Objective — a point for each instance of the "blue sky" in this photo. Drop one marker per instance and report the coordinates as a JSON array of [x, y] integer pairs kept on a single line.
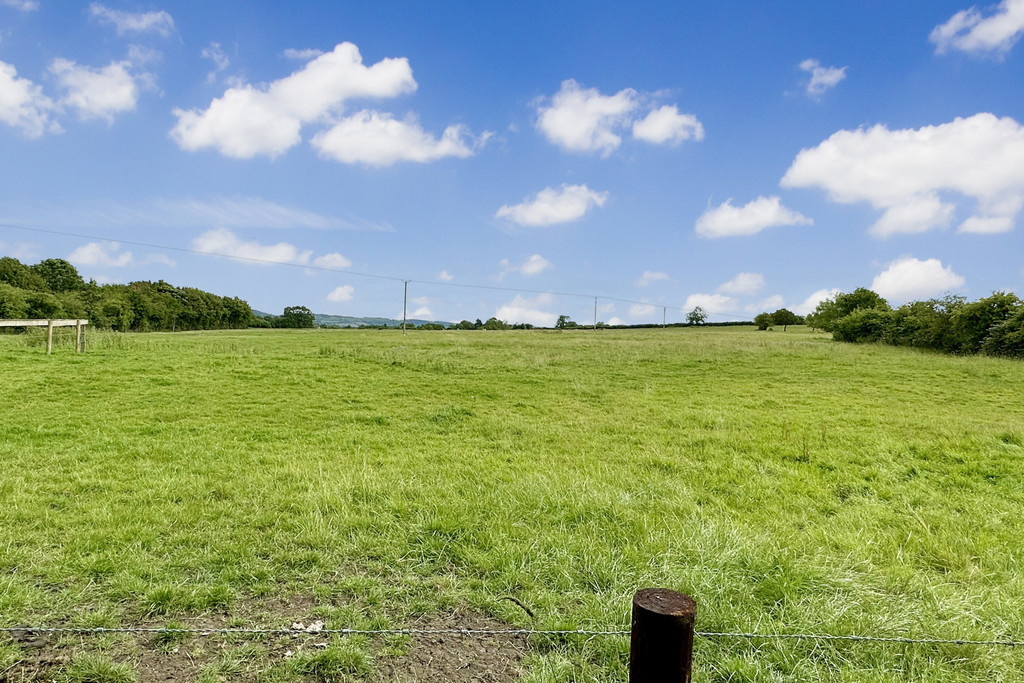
[[740, 156]]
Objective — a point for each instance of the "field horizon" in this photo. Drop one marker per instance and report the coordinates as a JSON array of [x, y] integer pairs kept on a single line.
[[374, 479]]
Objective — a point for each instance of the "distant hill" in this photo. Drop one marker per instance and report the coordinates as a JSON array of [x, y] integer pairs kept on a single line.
[[326, 320]]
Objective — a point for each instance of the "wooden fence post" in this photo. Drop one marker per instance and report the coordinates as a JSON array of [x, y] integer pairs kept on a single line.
[[49, 337], [661, 638]]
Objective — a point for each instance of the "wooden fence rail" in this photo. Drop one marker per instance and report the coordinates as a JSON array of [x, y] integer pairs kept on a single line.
[[77, 323]]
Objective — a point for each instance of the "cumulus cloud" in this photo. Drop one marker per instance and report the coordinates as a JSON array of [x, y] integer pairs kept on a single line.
[[333, 260], [666, 125], [822, 77], [551, 206], [220, 60], [581, 119], [379, 139], [248, 121], [223, 242], [22, 5], [642, 310], [535, 265], [743, 283], [810, 303], [23, 104], [529, 311], [772, 303], [96, 93], [445, 276], [100, 254], [764, 212], [651, 276], [134, 22], [711, 303], [341, 294], [423, 312], [909, 278], [970, 31], [905, 173]]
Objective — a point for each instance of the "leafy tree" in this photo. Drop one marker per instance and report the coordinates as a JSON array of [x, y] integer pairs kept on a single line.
[[763, 321], [829, 311], [785, 317], [564, 323], [12, 302], [864, 325], [59, 275], [296, 317], [1007, 337], [698, 316], [464, 325], [495, 324], [972, 322], [17, 274]]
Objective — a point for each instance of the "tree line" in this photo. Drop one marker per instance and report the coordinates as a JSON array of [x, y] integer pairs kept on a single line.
[[993, 325], [53, 288]]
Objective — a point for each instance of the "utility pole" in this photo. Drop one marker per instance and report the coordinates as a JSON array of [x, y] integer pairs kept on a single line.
[[405, 304], [663, 309], [595, 312]]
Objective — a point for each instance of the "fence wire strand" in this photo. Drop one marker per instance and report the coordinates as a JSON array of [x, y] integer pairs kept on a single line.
[[495, 632]]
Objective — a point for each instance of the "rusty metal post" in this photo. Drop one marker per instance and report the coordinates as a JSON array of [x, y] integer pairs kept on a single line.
[[661, 638]]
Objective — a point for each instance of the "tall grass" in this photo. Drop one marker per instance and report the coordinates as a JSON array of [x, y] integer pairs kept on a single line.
[[788, 483]]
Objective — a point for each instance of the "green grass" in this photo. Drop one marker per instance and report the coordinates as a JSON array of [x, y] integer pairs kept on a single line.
[[787, 482]]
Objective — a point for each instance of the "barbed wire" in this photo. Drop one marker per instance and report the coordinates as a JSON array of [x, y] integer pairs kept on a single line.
[[495, 632]]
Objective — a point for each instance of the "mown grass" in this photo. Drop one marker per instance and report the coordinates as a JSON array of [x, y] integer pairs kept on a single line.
[[788, 483]]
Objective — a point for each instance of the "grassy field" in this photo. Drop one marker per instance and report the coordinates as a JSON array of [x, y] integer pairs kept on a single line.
[[374, 479]]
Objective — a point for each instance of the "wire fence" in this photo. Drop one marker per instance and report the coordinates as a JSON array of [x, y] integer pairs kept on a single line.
[[495, 632]]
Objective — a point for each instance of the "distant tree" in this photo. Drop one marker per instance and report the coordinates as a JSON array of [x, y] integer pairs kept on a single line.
[[698, 316], [296, 317], [786, 317], [564, 323], [763, 321], [431, 326], [464, 325], [971, 322], [59, 275], [495, 324], [1007, 337], [478, 324]]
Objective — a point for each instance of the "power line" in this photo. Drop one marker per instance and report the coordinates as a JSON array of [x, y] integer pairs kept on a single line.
[[290, 264]]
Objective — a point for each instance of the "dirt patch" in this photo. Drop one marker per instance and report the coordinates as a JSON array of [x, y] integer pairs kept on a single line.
[[452, 657], [456, 657]]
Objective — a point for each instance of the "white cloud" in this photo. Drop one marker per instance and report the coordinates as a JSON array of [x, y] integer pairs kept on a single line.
[[584, 120], [333, 260], [811, 302], [134, 22], [904, 172], [248, 121], [23, 104], [822, 77], [529, 311], [303, 55], [772, 303], [642, 310], [743, 283], [423, 312], [23, 5], [614, 321], [96, 93], [764, 212], [223, 242], [341, 294], [651, 276], [711, 303], [445, 276], [551, 206], [909, 278], [159, 258], [535, 265], [378, 139], [969, 31], [100, 254], [220, 60], [667, 125]]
